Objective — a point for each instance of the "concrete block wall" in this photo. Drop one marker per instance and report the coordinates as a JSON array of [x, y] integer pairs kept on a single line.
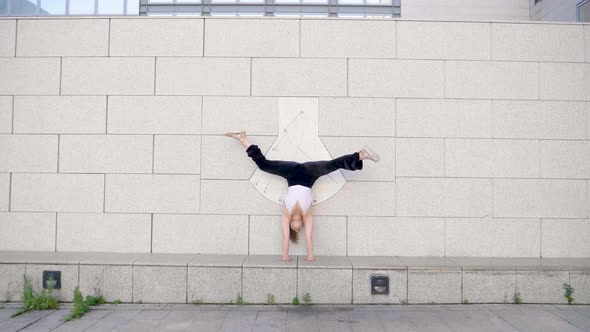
[[111, 134]]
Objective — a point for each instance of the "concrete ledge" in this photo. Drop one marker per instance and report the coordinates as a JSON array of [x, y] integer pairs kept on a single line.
[[212, 278]]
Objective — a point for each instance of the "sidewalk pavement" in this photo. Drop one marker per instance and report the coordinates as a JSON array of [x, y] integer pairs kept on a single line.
[[303, 318]]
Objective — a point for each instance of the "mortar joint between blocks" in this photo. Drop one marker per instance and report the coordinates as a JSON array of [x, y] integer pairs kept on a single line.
[[155, 70], [12, 119], [9, 191], [109, 40], [16, 37], [55, 245]]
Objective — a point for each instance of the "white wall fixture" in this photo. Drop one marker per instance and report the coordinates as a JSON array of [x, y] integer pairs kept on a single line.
[[298, 141]]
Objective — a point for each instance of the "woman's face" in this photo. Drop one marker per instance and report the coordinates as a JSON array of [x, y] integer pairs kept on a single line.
[[296, 223]]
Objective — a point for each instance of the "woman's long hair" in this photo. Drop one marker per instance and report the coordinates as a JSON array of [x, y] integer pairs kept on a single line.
[[294, 236]]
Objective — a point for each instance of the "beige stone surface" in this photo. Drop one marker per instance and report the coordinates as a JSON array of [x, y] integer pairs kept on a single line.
[[489, 286], [11, 281], [434, 286], [395, 236], [7, 37], [538, 119], [257, 283], [491, 80], [565, 237], [106, 153], [443, 118], [298, 77], [202, 76], [157, 284], [152, 193], [325, 285], [30, 76], [443, 40], [348, 39], [545, 198], [111, 281], [107, 76], [564, 81], [214, 284], [257, 115], [72, 37], [565, 159], [177, 154], [343, 116], [446, 197], [244, 197], [395, 78], [167, 37], [37, 228], [361, 198], [6, 114], [493, 237], [28, 153], [4, 191], [103, 232], [251, 37], [419, 157], [537, 42], [60, 114], [154, 115], [54, 192], [506, 158], [200, 233], [541, 286], [581, 284]]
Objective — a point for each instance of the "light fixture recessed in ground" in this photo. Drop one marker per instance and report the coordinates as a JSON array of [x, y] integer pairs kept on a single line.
[[56, 275], [379, 284]]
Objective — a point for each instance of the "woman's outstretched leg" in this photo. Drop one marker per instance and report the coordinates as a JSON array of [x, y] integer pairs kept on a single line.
[[277, 167], [351, 162]]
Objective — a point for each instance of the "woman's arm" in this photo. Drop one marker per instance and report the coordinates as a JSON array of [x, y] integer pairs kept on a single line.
[[308, 222], [285, 221]]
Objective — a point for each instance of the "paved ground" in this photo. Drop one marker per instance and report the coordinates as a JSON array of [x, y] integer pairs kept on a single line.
[[188, 317]]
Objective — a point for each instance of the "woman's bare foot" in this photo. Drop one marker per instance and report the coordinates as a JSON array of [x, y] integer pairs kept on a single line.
[[368, 153], [240, 134]]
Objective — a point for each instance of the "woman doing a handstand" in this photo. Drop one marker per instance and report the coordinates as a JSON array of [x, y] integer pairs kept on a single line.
[[300, 178]]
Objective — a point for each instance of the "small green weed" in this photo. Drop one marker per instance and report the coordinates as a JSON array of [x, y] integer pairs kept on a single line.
[[42, 301], [516, 298], [465, 301], [270, 299], [95, 300], [117, 301], [295, 300], [568, 293], [306, 298], [81, 305], [198, 301], [240, 299]]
